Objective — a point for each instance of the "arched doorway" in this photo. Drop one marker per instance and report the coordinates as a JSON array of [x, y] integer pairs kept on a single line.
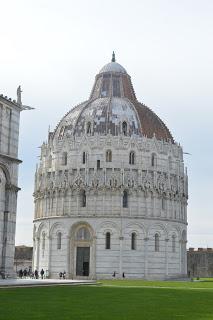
[[82, 251]]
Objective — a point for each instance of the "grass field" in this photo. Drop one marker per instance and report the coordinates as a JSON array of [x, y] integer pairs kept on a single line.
[[120, 300]]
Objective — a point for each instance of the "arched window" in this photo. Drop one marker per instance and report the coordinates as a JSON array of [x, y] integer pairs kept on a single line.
[[163, 203], [84, 157], [83, 234], [116, 87], [61, 133], [43, 241], [98, 164], [108, 156], [53, 200], [157, 242], [83, 199], [48, 201], [133, 241], [124, 128], [59, 240], [132, 157], [125, 199], [173, 243], [182, 211], [89, 128], [153, 160], [184, 235], [108, 240], [170, 163], [50, 160], [64, 158], [105, 86]]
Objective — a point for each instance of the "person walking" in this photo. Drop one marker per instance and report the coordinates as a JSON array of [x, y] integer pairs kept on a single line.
[[36, 274], [20, 273], [25, 273], [42, 273]]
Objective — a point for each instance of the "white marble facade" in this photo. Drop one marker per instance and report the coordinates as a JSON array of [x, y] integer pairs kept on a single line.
[[9, 134], [111, 190]]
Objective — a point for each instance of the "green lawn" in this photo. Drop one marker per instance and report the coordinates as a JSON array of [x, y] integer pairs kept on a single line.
[[120, 300], [204, 283]]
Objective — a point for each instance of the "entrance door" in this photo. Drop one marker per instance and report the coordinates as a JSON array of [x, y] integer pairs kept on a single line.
[[82, 261]]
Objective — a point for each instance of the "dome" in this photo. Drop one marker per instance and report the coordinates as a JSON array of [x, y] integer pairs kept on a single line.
[[111, 107], [105, 116], [113, 67]]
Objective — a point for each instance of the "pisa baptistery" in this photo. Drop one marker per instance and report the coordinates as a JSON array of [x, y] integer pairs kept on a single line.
[[111, 190]]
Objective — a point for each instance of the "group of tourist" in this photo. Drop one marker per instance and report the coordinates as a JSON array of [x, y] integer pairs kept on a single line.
[[24, 273], [30, 274], [62, 275], [36, 274]]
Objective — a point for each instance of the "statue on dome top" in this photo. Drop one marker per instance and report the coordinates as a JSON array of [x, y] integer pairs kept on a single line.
[[113, 57]]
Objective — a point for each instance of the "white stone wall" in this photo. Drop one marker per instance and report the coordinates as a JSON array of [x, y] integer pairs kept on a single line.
[[143, 262], [9, 133], [9, 128], [157, 201]]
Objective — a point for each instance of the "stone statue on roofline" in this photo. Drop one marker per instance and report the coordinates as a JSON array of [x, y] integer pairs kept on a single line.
[[19, 95]]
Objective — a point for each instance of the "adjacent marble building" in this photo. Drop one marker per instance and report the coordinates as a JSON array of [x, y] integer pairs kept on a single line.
[[111, 189], [9, 134], [200, 262]]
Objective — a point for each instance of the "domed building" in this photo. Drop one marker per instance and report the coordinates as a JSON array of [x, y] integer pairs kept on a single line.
[[110, 189]]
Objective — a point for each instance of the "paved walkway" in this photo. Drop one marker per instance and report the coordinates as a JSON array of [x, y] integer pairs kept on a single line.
[[39, 282]]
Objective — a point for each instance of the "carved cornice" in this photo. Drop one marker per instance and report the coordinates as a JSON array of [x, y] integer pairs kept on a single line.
[[10, 158], [12, 187], [165, 185]]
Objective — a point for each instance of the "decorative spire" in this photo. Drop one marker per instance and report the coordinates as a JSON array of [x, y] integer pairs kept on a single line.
[[113, 56]]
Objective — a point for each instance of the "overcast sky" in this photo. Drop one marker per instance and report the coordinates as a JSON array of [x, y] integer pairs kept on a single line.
[[54, 49]]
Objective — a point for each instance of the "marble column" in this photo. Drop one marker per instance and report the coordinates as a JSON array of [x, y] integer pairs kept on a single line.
[[68, 271], [146, 263], [166, 258], [121, 257]]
